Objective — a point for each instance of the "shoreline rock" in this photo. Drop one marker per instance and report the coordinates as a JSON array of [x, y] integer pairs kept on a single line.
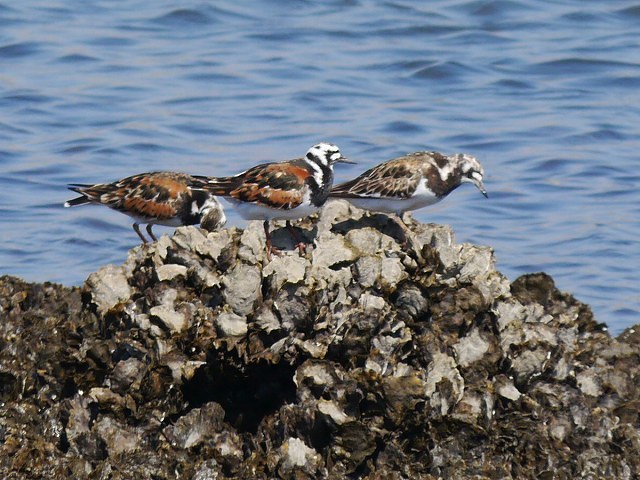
[[199, 359]]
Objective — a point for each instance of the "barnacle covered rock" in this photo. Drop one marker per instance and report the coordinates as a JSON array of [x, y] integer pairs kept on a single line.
[[200, 359]]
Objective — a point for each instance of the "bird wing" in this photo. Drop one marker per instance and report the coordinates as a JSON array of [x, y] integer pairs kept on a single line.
[[397, 178], [146, 195], [275, 185]]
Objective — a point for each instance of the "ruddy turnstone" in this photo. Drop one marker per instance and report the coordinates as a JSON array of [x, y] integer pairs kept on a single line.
[[411, 182], [283, 190], [157, 198]]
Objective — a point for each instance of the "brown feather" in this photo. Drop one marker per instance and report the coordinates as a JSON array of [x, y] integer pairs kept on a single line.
[[395, 178], [148, 208], [175, 184], [154, 195], [275, 185]]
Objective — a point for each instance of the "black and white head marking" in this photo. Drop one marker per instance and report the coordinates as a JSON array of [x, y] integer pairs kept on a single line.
[[317, 158], [471, 171], [321, 158], [323, 155]]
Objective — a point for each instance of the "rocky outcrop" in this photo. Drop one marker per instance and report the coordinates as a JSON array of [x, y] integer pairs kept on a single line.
[[199, 359]]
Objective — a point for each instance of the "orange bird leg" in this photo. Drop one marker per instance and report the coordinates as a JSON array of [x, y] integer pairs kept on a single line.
[[300, 245], [270, 248]]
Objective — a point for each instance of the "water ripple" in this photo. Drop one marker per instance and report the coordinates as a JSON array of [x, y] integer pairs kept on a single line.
[[497, 9], [572, 65], [442, 71], [630, 11], [18, 50], [76, 58], [184, 17]]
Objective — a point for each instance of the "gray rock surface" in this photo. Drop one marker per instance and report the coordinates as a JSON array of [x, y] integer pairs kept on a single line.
[[109, 286], [199, 359], [231, 325], [242, 288], [169, 272], [170, 319]]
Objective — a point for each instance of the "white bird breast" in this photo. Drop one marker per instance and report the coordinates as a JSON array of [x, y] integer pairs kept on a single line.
[[422, 197], [253, 211]]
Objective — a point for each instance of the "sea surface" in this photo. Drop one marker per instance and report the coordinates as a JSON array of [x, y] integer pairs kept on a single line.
[[545, 93]]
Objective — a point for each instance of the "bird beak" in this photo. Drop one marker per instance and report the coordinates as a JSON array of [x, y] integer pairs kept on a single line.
[[480, 185], [476, 179], [344, 160]]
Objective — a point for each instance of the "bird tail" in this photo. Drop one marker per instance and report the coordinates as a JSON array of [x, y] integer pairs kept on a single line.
[[217, 186], [78, 188]]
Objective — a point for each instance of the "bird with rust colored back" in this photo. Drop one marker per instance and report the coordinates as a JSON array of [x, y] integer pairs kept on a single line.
[[156, 198], [281, 190]]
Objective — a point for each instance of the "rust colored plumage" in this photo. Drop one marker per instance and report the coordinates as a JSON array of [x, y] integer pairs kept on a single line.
[[153, 195], [165, 198], [274, 185], [148, 208], [281, 190]]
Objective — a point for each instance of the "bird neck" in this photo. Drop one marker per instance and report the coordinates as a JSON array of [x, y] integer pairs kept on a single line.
[[442, 180], [322, 172], [320, 182]]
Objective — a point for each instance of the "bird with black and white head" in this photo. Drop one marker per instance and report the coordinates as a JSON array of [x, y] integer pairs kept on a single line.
[[281, 190]]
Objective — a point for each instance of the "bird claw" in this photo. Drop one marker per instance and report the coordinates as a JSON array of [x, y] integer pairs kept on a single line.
[[302, 248], [273, 250]]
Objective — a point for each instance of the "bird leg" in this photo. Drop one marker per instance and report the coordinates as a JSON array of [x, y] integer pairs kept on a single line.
[[270, 248], [404, 238], [406, 242], [136, 227], [149, 225], [299, 244]]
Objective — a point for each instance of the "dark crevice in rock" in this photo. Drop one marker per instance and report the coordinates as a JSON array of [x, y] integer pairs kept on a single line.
[[379, 221], [8, 387], [247, 393], [340, 265]]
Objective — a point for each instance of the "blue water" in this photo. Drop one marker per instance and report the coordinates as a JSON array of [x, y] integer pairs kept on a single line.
[[545, 94]]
